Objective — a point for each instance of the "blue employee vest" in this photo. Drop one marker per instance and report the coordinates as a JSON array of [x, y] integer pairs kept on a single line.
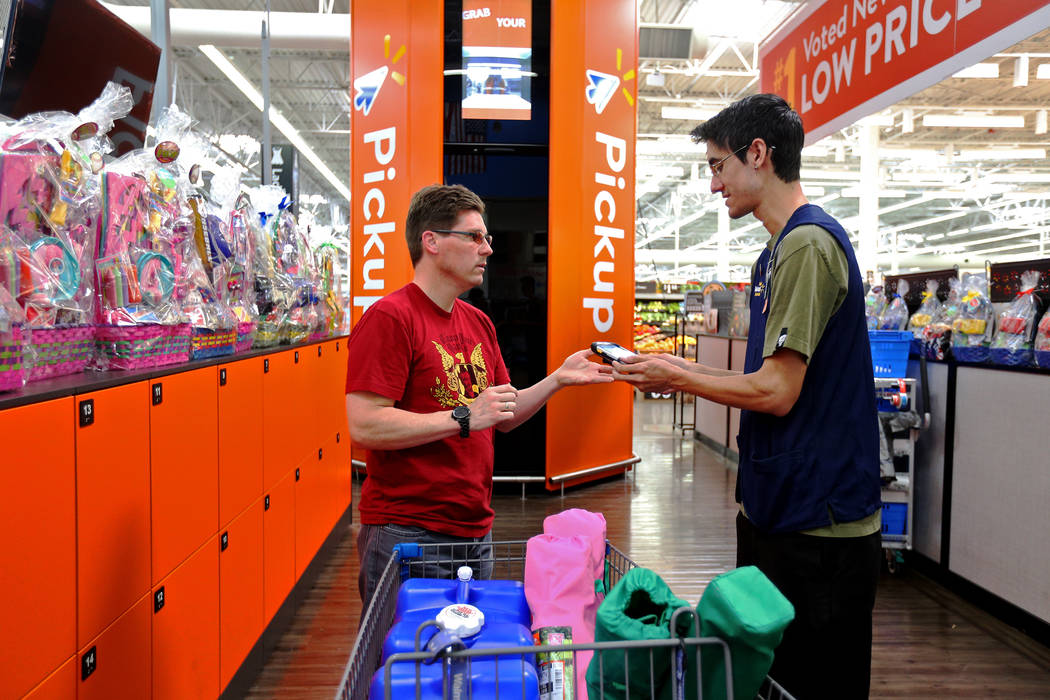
[[823, 456]]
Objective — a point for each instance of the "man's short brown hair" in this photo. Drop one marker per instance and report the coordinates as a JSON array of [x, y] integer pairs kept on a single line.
[[436, 206]]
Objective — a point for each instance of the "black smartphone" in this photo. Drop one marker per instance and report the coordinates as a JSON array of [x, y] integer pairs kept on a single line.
[[610, 351]]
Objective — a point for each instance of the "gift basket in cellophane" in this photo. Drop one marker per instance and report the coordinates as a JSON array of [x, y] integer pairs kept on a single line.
[[294, 259], [49, 210], [12, 348], [143, 243], [972, 325], [925, 316], [1042, 342], [273, 289], [1012, 342], [325, 257], [234, 277], [937, 335], [894, 316]]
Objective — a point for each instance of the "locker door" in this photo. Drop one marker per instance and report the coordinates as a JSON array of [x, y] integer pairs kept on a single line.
[[309, 518], [186, 628], [278, 544], [38, 539], [240, 590], [113, 516], [240, 437], [335, 378], [60, 685], [184, 456], [116, 663], [281, 435], [340, 474]]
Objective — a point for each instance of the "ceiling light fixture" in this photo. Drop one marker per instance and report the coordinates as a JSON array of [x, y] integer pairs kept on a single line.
[[1021, 70], [976, 121], [979, 70], [655, 79], [1040, 122], [276, 118], [1003, 154], [907, 121], [689, 113], [1042, 71]]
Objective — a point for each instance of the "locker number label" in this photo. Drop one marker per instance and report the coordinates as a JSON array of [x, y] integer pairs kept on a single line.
[[266, 366], [87, 412], [88, 663], [222, 377], [158, 394], [224, 541], [158, 600], [266, 502], [297, 473]]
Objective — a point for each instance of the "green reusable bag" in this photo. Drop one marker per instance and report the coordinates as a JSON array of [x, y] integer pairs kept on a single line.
[[744, 608], [639, 607]]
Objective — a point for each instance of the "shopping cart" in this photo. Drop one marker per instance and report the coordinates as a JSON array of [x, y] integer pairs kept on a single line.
[[508, 562]]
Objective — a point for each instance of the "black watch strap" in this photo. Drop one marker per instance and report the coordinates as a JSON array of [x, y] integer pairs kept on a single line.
[[461, 414]]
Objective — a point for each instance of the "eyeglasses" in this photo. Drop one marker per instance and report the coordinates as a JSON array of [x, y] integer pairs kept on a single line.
[[477, 236], [716, 168]]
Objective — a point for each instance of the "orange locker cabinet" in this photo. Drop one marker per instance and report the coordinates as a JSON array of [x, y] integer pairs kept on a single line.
[[240, 437], [186, 628], [278, 544], [116, 663], [333, 388], [184, 460], [38, 541], [341, 477], [309, 510], [284, 444], [113, 505], [240, 589], [60, 685]]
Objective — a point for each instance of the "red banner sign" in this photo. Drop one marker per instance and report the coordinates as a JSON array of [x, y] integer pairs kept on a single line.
[[840, 60]]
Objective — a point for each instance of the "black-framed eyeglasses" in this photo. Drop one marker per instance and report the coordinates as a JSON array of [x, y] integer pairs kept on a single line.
[[477, 236], [716, 167]]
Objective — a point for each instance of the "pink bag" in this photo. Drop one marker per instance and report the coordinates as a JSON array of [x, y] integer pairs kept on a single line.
[[590, 526], [559, 587]]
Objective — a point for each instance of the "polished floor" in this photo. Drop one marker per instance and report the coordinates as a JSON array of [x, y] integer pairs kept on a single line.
[[674, 514]]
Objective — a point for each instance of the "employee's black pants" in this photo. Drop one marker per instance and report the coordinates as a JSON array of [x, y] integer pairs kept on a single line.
[[826, 651]]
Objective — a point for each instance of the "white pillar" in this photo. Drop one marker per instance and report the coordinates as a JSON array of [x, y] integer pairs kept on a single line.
[[868, 233]]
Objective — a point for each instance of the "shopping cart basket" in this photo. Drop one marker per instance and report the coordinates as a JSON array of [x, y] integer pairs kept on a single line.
[[508, 562]]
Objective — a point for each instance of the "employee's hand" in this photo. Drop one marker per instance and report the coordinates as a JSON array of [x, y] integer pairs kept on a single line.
[[577, 370], [494, 405], [647, 372]]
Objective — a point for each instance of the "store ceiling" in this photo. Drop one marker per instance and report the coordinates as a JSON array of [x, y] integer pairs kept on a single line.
[[938, 202]]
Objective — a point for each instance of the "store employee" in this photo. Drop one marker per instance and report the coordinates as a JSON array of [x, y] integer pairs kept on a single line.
[[808, 481]]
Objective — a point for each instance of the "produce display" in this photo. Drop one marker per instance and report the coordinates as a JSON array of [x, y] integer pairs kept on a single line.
[[654, 328]]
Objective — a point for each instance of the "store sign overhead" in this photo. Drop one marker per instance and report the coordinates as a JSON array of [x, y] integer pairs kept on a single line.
[[840, 60]]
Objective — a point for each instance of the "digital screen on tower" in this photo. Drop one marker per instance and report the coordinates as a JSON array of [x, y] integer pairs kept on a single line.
[[497, 59]]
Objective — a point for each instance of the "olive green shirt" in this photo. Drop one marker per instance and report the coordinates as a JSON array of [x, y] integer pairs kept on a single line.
[[808, 283]]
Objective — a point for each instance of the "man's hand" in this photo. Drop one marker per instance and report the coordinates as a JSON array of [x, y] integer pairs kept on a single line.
[[578, 370], [492, 406], [647, 372]]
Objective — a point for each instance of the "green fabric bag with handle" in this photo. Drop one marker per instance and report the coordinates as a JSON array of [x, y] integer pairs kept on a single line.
[[744, 608], [639, 607]]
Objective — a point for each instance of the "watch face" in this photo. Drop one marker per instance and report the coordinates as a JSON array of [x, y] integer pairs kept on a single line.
[[460, 412]]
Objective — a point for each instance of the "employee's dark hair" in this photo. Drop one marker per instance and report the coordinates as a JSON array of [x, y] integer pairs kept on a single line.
[[764, 116], [436, 206]]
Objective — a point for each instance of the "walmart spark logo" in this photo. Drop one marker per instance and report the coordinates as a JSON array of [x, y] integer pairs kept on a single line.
[[602, 86], [367, 87]]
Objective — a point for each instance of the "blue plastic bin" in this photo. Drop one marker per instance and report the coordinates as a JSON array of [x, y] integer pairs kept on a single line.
[[889, 352], [894, 518]]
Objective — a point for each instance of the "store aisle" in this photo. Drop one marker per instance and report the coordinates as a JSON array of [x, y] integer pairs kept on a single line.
[[674, 514]]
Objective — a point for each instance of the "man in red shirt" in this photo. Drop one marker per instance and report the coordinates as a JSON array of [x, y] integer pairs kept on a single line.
[[426, 386]]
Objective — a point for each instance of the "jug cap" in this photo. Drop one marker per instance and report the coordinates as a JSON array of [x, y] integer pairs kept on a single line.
[[461, 619], [464, 573]]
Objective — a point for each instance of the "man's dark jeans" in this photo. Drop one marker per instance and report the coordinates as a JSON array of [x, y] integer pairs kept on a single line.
[[375, 543]]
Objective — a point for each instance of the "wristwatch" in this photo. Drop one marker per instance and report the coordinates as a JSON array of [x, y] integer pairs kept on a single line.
[[461, 414]]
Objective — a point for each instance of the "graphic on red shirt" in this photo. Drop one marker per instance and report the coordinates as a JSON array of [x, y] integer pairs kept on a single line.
[[463, 380]]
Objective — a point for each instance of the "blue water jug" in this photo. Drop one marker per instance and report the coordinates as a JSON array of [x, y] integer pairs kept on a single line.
[[422, 599], [402, 638], [517, 680]]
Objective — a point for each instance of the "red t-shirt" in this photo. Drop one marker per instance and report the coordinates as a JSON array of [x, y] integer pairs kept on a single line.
[[409, 350]]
